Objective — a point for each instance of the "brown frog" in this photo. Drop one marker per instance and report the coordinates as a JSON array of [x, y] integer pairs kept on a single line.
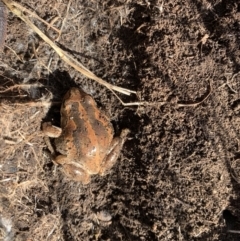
[[85, 140]]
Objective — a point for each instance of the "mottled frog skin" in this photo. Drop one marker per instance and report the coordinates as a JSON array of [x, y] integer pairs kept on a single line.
[[85, 141]]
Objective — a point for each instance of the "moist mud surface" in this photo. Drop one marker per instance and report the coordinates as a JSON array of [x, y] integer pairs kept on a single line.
[[178, 174]]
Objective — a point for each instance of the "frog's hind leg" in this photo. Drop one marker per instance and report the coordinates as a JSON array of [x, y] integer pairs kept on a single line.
[[76, 173], [114, 152]]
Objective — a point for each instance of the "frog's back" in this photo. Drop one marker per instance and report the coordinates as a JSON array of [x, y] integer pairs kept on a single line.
[[87, 132]]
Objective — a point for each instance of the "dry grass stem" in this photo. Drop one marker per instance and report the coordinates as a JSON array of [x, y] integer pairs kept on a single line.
[[64, 55], [64, 21], [21, 86], [14, 52], [199, 102], [179, 104], [31, 13]]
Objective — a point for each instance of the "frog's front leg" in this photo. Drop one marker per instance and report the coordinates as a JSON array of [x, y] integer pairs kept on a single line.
[[113, 153], [50, 131]]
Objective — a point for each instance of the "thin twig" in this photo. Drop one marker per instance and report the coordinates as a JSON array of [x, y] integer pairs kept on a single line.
[[14, 53], [233, 231], [64, 55], [17, 10], [228, 83], [31, 13], [199, 102], [64, 20]]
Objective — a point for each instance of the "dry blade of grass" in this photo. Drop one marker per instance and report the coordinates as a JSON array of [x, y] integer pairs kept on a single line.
[[18, 10], [31, 13], [63, 55]]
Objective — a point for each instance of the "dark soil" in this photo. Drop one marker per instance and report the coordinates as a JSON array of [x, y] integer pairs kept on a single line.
[[179, 170]]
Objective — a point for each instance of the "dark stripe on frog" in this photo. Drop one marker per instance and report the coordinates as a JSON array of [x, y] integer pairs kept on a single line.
[[95, 125], [99, 122], [82, 135]]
